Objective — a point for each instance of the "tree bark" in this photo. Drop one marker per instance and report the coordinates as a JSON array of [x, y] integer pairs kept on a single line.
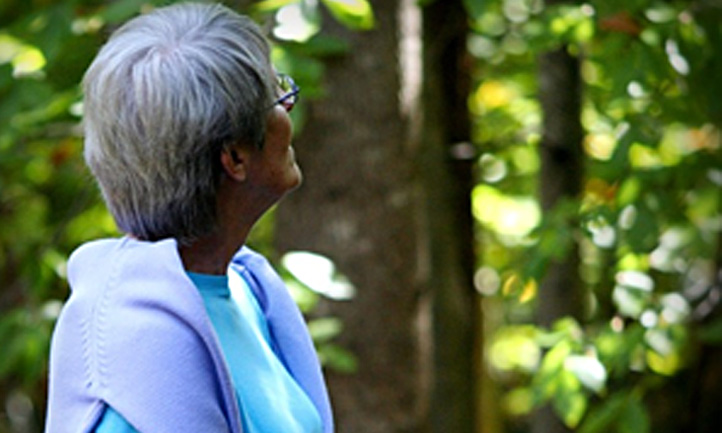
[[448, 159], [385, 201], [560, 291], [561, 173], [359, 206]]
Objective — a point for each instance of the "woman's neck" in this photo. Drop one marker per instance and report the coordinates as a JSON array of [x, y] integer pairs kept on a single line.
[[238, 211], [212, 254]]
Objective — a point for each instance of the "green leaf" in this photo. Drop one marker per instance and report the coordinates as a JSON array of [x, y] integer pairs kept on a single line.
[[323, 46], [271, 5], [602, 418], [122, 10], [570, 403], [643, 235], [712, 333], [324, 329], [554, 359], [629, 191], [550, 378], [588, 370], [475, 8], [297, 22], [634, 417], [355, 14], [519, 401], [337, 358], [622, 412], [54, 107], [305, 298]]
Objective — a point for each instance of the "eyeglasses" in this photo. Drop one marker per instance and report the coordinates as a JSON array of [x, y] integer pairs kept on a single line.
[[290, 92]]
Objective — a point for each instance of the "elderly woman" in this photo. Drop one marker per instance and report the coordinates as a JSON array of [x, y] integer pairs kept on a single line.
[[177, 327]]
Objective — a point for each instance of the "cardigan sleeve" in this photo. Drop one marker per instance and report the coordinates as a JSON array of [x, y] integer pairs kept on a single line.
[[288, 329], [135, 335], [158, 360]]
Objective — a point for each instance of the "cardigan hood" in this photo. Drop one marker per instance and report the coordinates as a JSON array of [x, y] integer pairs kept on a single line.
[[134, 334]]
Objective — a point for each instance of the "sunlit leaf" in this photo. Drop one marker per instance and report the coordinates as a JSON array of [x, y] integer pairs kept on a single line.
[[296, 22], [629, 191], [356, 14], [319, 274], [571, 406], [529, 291], [675, 308], [551, 376], [568, 327], [590, 372], [272, 5], [493, 94], [630, 301], [519, 401], [600, 146], [512, 216], [337, 358], [305, 298], [515, 347], [642, 156], [324, 329], [665, 354], [27, 62], [9, 48], [95, 221], [584, 31]]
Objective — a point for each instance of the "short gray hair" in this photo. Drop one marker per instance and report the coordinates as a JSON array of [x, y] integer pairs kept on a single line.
[[162, 98]]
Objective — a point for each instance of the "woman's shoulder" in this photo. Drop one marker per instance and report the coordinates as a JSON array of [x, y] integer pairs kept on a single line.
[[138, 323], [127, 292], [247, 257]]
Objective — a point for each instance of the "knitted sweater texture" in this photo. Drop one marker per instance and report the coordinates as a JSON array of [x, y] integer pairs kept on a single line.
[[134, 334]]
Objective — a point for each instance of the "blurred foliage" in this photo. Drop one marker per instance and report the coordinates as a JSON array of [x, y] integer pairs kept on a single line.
[[49, 203], [310, 277], [648, 223]]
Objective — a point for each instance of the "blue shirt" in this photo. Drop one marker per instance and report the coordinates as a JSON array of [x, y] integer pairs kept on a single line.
[[269, 398]]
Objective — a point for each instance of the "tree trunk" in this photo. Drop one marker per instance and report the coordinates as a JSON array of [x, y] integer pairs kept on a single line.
[[382, 199], [560, 291], [359, 206], [561, 173], [448, 158]]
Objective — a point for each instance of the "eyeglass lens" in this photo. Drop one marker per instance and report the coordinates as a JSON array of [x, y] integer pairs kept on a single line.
[[290, 89]]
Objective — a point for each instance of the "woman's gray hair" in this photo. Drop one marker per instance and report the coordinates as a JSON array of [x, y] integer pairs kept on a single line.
[[163, 97]]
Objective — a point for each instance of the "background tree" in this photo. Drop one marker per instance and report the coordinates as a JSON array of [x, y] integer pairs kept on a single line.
[[560, 182], [389, 166], [359, 194], [446, 172], [639, 231], [382, 199]]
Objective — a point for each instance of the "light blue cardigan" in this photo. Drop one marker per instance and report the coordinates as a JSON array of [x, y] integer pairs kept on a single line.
[[135, 335]]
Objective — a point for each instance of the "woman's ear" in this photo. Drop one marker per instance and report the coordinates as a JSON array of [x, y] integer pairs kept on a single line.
[[234, 160]]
